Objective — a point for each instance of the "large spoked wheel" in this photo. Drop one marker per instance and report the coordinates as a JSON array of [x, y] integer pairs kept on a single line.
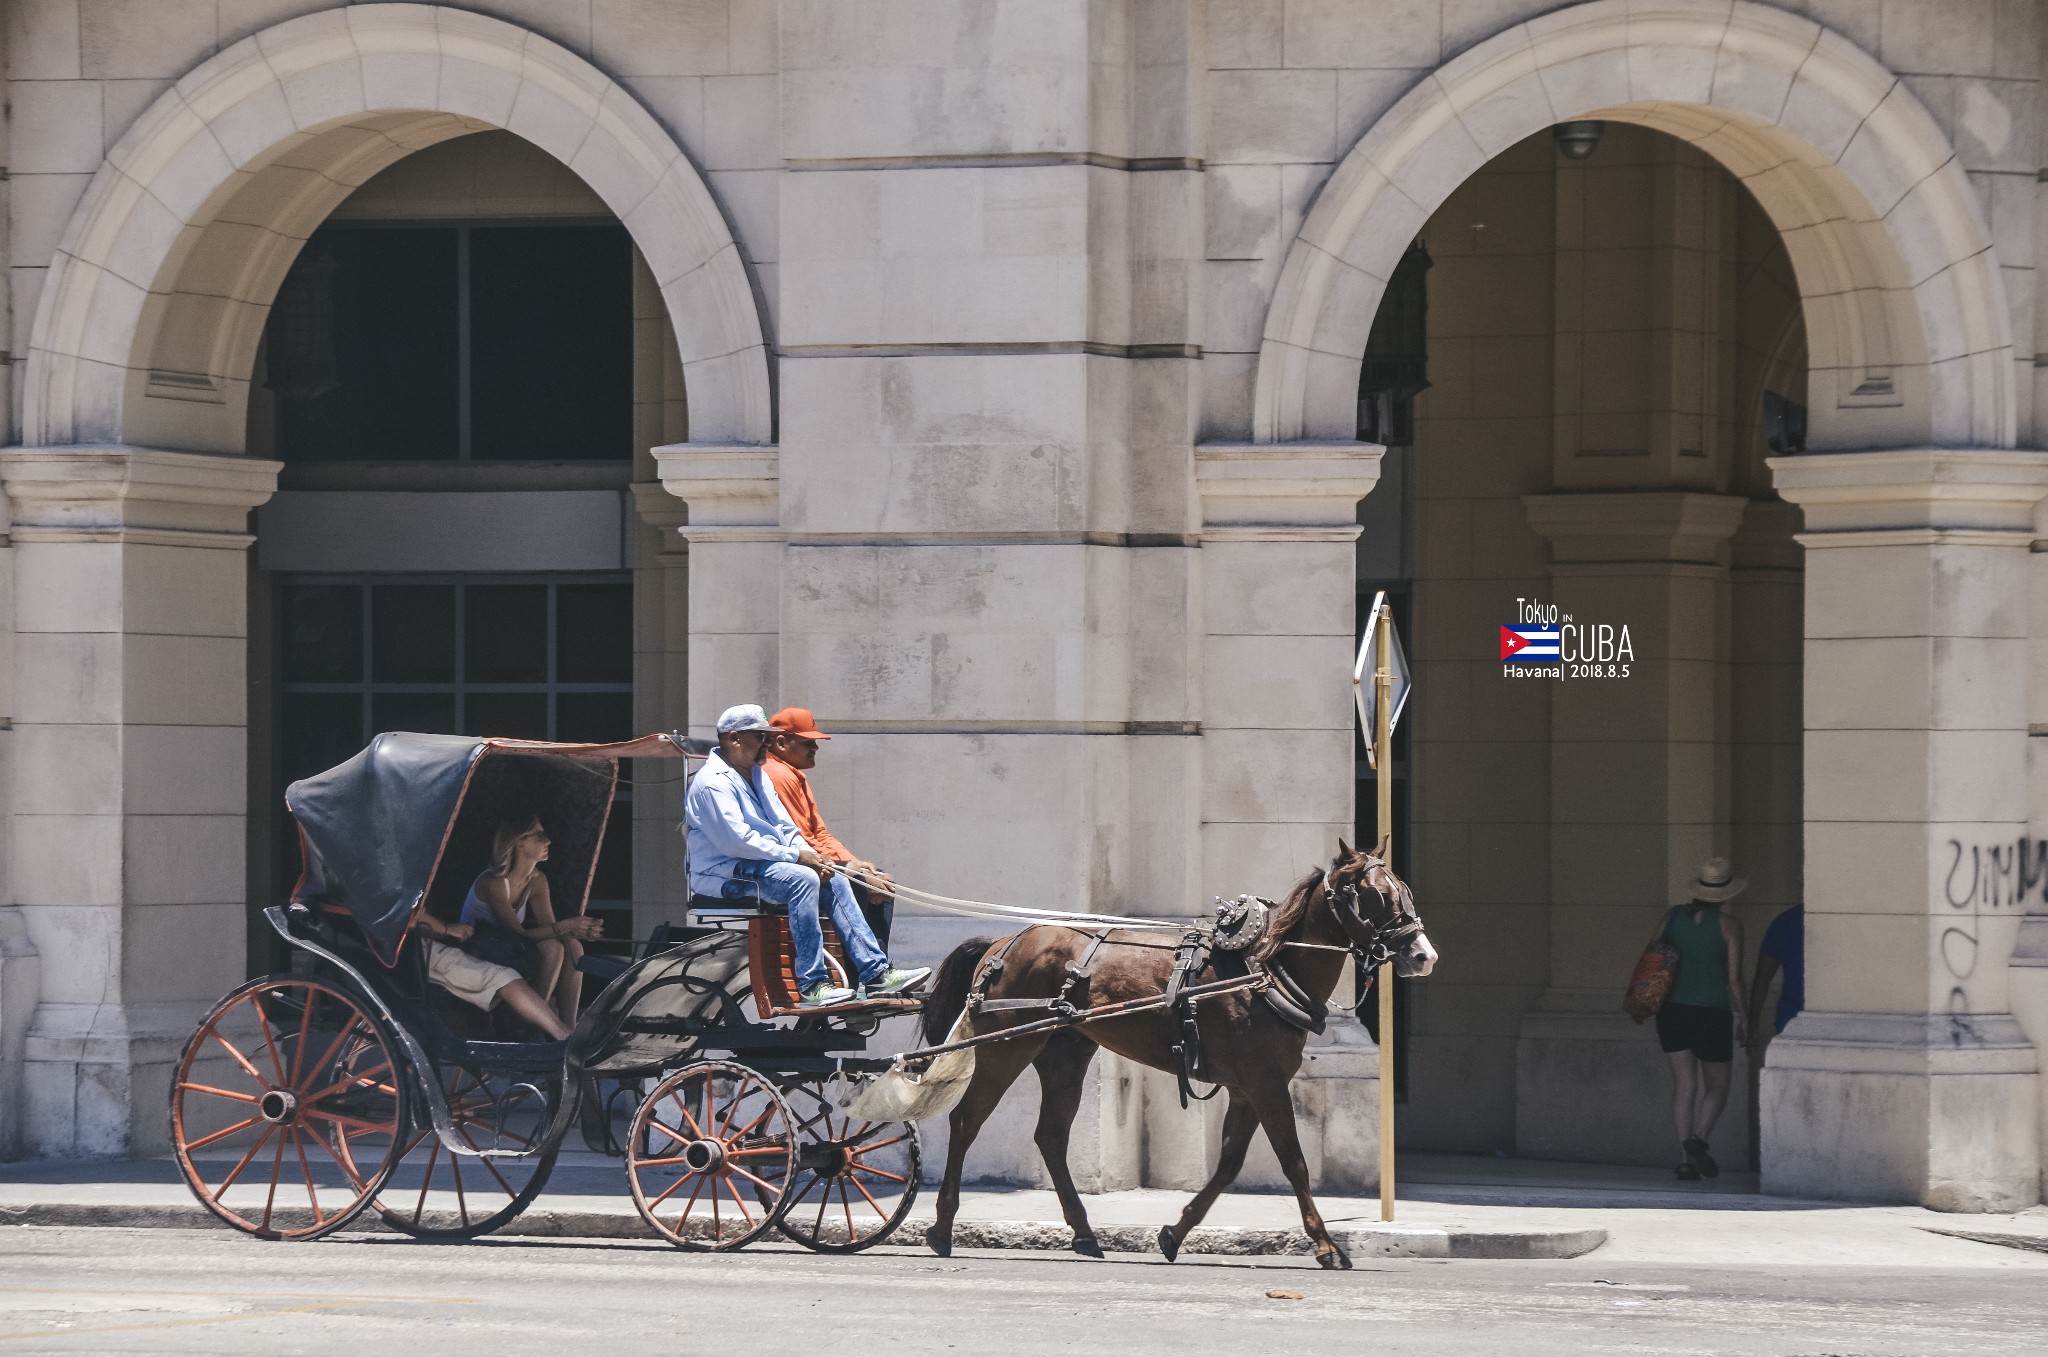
[[286, 1109], [710, 1156], [437, 1194], [855, 1180]]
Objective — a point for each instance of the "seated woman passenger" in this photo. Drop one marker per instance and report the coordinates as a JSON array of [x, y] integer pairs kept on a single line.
[[482, 983], [512, 895]]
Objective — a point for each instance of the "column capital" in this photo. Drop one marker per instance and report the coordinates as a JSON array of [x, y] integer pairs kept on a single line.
[[1606, 527], [1284, 492], [114, 493], [1924, 493], [658, 507], [733, 490]]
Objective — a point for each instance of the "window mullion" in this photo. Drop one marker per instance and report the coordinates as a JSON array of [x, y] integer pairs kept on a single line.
[[463, 420]]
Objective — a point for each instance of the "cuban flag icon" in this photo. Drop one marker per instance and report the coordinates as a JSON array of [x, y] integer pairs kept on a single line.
[[1529, 643]]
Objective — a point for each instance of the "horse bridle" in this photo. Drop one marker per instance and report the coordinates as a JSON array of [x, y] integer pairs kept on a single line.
[[1386, 938]]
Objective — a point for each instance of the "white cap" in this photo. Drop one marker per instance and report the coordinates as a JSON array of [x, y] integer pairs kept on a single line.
[[746, 716]]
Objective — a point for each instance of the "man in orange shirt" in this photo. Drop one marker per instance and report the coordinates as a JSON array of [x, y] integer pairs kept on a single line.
[[792, 750]]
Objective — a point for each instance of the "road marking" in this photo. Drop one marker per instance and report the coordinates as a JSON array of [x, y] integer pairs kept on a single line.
[[308, 1306]]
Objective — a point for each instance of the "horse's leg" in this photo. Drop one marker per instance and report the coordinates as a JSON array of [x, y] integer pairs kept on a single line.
[[1276, 1113], [1062, 1070], [1239, 1123], [996, 1067]]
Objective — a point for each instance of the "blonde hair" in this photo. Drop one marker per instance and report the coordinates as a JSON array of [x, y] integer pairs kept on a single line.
[[506, 838]]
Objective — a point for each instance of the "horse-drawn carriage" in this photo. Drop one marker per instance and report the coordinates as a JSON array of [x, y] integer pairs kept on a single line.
[[355, 1082], [352, 1083]]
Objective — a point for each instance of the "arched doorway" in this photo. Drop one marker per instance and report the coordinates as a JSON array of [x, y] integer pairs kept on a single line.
[[137, 475], [1570, 375], [1910, 542]]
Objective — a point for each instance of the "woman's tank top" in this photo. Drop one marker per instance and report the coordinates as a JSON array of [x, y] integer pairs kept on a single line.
[[1695, 930], [475, 911]]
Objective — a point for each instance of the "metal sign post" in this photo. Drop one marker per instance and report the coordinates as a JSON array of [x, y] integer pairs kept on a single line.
[[1381, 651]]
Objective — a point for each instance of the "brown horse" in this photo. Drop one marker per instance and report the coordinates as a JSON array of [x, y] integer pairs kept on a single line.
[[1358, 907]]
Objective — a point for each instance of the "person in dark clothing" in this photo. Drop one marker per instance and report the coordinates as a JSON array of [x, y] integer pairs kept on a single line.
[[1704, 1017], [1783, 949]]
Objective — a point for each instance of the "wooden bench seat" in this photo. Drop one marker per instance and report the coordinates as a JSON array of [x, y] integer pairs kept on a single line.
[[771, 963]]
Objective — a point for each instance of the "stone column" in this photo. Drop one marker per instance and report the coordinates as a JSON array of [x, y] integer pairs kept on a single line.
[[1638, 795], [129, 772], [734, 573], [1907, 1078], [661, 693], [1277, 628]]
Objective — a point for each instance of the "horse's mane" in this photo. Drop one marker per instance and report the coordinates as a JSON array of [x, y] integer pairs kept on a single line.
[[1288, 915]]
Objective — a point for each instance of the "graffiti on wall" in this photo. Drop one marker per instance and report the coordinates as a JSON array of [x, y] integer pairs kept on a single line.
[[1983, 879]]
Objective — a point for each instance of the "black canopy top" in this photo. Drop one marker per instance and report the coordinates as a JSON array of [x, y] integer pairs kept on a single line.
[[408, 822]]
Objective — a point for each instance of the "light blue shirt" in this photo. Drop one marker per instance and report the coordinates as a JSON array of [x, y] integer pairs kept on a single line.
[[734, 820]]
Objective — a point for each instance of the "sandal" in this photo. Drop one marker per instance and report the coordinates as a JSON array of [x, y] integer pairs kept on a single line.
[[1697, 1149], [1687, 1173]]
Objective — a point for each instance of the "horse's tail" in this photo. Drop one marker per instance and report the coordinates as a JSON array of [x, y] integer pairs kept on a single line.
[[949, 991]]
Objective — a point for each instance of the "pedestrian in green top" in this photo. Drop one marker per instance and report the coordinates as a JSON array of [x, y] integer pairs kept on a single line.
[[1702, 1019]]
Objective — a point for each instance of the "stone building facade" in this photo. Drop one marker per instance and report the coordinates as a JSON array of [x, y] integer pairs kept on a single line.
[[991, 377]]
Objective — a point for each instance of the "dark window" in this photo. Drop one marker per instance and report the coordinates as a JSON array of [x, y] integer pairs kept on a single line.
[[533, 658], [485, 341], [1396, 366]]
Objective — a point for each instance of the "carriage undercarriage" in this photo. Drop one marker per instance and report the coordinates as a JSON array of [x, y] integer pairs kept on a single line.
[[302, 1102]]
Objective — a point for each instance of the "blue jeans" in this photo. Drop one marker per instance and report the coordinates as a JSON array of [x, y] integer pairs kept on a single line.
[[797, 887]]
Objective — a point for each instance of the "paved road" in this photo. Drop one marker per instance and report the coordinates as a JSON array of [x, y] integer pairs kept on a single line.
[[182, 1291]]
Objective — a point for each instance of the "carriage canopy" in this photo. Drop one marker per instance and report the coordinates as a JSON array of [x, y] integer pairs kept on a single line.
[[407, 823]]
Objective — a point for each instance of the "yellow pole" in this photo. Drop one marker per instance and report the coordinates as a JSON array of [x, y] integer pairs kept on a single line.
[[1383, 756]]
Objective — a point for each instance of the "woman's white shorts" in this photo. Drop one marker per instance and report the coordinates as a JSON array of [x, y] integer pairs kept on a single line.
[[470, 979]]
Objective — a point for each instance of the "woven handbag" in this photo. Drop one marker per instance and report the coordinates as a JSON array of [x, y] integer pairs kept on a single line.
[[1656, 972]]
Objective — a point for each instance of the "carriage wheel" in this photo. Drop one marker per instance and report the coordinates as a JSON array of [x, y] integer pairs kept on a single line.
[[437, 1194], [286, 1108], [855, 1180], [710, 1156]]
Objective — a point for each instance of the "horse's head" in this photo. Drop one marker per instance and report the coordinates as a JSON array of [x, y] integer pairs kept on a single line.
[[1377, 911]]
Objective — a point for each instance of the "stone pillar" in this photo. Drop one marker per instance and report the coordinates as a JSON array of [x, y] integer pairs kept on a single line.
[[1907, 1078], [734, 573], [129, 772], [1638, 794], [1278, 592], [661, 693]]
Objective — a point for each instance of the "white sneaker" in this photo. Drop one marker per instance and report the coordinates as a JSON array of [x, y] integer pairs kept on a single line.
[[900, 982], [822, 994]]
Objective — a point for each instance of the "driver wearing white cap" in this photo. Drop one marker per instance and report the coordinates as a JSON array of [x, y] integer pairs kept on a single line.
[[744, 845]]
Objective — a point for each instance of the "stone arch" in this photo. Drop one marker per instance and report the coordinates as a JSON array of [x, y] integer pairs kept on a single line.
[[1906, 317], [149, 321]]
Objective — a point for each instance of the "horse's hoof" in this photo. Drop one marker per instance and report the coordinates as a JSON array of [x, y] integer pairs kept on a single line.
[[1168, 1245], [1087, 1247], [941, 1244], [1335, 1260]]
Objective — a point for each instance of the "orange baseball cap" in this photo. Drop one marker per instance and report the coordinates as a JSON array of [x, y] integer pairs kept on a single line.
[[799, 722]]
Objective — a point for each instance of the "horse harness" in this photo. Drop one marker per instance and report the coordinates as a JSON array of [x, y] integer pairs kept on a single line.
[[1225, 942]]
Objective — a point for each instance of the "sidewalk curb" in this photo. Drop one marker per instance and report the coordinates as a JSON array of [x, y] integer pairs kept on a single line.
[[1386, 1241]]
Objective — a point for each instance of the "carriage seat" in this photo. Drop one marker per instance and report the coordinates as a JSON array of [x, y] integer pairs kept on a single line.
[[714, 909]]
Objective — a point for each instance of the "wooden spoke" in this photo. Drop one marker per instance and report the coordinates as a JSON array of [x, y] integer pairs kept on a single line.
[[269, 1037], [204, 1141], [312, 1192], [229, 1181], [219, 1092], [243, 1061]]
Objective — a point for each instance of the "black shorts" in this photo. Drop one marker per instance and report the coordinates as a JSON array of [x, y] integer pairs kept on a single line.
[[1708, 1033]]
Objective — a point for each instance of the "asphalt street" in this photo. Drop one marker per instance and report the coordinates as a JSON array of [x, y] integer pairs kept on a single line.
[[187, 1291]]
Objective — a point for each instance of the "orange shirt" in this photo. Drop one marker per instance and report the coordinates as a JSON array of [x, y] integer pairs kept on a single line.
[[795, 790]]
